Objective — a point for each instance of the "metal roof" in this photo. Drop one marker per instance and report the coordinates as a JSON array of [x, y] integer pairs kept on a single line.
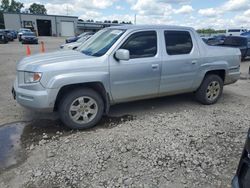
[[39, 14]]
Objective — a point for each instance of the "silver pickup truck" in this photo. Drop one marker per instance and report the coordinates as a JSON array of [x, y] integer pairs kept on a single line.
[[121, 64]]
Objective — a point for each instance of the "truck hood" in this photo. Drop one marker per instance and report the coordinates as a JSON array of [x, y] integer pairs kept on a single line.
[[54, 60]]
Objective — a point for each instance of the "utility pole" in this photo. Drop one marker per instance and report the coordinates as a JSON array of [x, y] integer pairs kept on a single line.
[[67, 9], [135, 20]]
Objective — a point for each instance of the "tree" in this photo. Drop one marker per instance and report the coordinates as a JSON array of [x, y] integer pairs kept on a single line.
[[5, 4], [37, 9], [13, 6], [115, 21], [210, 31]]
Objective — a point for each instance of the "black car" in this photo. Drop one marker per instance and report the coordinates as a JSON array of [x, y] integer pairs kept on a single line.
[[216, 40], [74, 39], [29, 38], [10, 34], [242, 177], [14, 33], [241, 42], [7, 34], [246, 34], [3, 37]]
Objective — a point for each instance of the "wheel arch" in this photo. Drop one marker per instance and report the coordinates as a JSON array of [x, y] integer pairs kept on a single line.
[[96, 86], [219, 72]]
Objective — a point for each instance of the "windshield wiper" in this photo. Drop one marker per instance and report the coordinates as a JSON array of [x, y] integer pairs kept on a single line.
[[86, 52]]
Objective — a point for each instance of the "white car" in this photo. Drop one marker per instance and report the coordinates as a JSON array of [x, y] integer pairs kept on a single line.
[[235, 32], [21, 31], [75, 45]]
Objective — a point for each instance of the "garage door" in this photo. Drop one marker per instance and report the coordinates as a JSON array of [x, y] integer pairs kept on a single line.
[[67, 29]]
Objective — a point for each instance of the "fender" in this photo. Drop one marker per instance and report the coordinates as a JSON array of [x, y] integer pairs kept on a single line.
[[207, 67], [61, 80]]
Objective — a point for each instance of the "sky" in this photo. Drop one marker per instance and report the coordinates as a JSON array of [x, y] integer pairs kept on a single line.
[[217, 14]]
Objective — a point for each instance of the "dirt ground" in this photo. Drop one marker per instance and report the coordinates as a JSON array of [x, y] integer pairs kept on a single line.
[[165, 142]]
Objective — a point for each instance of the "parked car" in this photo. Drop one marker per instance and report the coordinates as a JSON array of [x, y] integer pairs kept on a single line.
[[241, 42], [121, 64], [7, 34], [20, 33], [3, 37], [242, 177], [14, 33], [235, 32], [74, 39], [29, 38], [216, 40], [246, 34], [75, 45]]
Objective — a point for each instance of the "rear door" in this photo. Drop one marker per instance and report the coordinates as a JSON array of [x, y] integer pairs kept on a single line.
[[180, 61]]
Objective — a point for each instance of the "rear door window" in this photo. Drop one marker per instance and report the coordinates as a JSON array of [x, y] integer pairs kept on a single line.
[[178, 42]]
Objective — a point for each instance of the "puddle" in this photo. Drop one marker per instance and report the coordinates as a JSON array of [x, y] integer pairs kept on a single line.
[[11, 151], [16, 137]]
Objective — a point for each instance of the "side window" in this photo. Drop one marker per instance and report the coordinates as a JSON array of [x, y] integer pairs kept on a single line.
[[141, 44], [178, 42]]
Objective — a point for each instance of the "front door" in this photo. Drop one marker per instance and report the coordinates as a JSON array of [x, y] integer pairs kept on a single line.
[[139, 77]]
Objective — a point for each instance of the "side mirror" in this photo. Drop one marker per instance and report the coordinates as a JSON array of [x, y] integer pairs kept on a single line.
[[122, 54]]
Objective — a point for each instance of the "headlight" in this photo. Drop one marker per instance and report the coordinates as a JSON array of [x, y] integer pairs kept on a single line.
[[32, 77]]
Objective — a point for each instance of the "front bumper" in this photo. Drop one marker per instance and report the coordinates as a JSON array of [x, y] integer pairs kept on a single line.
[[30, 41], [42, 100]]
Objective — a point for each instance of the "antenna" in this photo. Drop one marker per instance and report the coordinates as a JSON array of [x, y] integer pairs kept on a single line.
[[135, 20]]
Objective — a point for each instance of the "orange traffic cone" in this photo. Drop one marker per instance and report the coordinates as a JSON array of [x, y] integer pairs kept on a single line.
[[42, 47], [28, 52]]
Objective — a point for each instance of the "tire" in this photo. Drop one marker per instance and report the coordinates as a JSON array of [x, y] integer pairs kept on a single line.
[[210, 90], [77, 100]]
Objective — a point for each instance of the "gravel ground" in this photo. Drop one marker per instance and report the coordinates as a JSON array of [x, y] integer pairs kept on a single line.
[[167, 142]]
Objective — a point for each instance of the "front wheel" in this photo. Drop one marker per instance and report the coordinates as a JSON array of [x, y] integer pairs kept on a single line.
[[210, 90], [81, 109]]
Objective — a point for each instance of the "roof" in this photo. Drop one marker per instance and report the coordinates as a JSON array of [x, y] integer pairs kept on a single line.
[[130, 26], [39, 14]]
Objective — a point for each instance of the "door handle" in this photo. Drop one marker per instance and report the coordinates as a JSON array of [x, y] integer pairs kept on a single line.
[[155, 66], [194, 62]]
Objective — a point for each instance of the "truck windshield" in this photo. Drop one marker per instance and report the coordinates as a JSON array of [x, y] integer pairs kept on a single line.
[[101, 42]]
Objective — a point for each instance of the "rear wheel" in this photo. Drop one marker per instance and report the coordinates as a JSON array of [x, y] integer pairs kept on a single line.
[[81, 109], [210, 90]]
